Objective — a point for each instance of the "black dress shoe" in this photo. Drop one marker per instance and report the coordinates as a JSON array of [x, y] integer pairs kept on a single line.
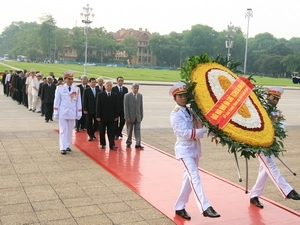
[[63, 152], [90, 139], [42, 114], [51, 119], [68, 149], [114, 148], [139, 146], [255, 201], [293, 195], [210, 212], [47, 121], [183, 214]]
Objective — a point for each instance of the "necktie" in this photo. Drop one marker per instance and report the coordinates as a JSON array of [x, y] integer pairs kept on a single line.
[[94, 92], [188, 111], [108, 94], [135, 96], [121, 89], [69, 88]]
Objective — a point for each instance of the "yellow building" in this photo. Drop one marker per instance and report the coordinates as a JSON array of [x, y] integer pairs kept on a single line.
[[144, 55]]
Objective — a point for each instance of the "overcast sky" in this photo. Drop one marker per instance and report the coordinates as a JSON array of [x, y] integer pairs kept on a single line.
[[280, 18]]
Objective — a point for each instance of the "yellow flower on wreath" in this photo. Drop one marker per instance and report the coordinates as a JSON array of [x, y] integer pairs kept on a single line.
[[250, 124]]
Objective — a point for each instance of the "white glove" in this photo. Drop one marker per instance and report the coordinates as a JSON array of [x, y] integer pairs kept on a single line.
[[78, 117], [55, 116]]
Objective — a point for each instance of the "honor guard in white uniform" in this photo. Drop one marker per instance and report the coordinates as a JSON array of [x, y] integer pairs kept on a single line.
[[268, 167], [188, 129], [67, 108]]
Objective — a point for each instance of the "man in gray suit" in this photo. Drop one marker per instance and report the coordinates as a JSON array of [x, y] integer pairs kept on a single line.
[[133, 114]]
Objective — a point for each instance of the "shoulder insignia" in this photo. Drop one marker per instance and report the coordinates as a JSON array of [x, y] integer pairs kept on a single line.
[[176, 109]]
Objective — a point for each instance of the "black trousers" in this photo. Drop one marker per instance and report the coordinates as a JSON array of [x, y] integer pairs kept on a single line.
[[109, 126], [48, 110], [119, 124], [91, 124], [81, 123]]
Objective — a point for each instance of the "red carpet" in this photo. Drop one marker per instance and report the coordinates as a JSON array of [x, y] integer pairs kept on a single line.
[[156, 176]]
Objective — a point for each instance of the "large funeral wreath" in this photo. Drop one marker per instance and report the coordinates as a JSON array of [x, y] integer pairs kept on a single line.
[[251, 129]]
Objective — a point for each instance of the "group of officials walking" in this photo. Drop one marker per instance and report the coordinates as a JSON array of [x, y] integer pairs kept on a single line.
[[94, 105], [91, 107], [32, 90]]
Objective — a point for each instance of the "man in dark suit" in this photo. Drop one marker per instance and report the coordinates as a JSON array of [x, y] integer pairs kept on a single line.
[[107, 114], [89, 108], [3, 81], [18, 86], [40, 95], [23, 89], [120, 90], [81, 123], [47, 97]]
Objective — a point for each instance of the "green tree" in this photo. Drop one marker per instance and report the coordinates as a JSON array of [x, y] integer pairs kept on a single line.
[[271, 65], [292, 62], [129, 45], [103, 45], [200, 39], [46, 35]]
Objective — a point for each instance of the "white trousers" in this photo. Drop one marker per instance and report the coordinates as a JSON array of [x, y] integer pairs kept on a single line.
[[268, 168], [191, 182], [36, 103], [30, 99], [65, 133]]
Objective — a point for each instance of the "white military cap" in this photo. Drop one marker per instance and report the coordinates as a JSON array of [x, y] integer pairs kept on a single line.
[[178, 88], [69, 74], [275, 91]]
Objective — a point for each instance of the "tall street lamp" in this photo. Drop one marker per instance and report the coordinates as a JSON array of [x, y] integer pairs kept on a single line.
[[229, 42], [249, 14], [86, 19]]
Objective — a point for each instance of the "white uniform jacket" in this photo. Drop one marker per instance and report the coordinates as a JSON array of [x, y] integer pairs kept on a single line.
[[35, 85], [29, 83], [187, 144], [67, 104]]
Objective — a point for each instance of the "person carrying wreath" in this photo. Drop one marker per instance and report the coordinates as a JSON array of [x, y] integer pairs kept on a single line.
[[188, 130], [268, 167]]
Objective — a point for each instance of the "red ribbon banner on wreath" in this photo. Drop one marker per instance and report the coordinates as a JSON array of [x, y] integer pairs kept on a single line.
[[231, 101]]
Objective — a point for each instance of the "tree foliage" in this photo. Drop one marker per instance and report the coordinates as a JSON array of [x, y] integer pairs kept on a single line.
[[266, 55], [129, 45]]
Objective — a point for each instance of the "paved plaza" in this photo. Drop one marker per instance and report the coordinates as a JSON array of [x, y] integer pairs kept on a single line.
[[40, 186]]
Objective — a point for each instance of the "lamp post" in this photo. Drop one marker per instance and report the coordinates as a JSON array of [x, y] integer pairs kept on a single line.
[[229, 42], [86, 19], [249, 14]]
